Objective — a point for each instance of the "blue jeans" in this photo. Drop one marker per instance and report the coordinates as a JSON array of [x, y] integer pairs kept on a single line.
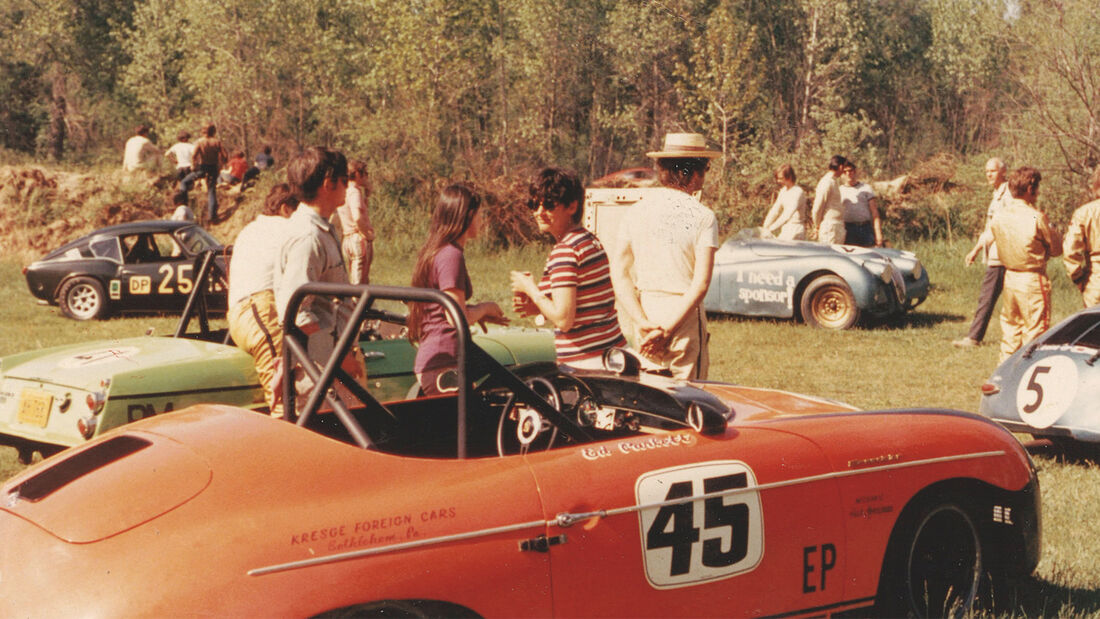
[[210, 173]]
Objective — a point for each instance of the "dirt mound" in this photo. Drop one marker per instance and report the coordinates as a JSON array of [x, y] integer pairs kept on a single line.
[[42, 208]]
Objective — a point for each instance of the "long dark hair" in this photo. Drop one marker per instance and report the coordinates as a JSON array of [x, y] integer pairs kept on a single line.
[[455, 209]]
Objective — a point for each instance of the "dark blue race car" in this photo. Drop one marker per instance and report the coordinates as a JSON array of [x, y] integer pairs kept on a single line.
[[140, 266]]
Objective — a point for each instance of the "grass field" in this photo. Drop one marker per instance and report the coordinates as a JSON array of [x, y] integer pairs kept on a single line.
[[909, 364]]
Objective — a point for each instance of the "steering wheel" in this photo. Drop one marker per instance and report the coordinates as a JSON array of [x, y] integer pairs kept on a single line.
[[521, 428]]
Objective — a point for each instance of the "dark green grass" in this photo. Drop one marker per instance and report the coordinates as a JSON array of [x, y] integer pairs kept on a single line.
[[908, 363]]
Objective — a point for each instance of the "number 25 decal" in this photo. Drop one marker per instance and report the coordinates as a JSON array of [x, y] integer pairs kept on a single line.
[[1047, 388], [185, 283], [688, 542]]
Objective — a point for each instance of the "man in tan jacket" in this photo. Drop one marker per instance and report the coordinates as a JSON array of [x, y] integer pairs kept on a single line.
[[1025, 241], [1082, 245], [828, 210]]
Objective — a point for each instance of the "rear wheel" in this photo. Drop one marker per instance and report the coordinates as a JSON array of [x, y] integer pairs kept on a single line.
[[934, 566], [82, 298], [828, 303]]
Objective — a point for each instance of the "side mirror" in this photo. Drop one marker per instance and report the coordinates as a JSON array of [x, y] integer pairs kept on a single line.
[[622, 362]]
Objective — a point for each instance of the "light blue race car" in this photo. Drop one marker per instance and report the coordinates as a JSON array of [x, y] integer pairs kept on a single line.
[[829, 286], [1050, 387]]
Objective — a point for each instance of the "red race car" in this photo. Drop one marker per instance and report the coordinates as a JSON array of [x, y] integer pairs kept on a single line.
[[542, 491]]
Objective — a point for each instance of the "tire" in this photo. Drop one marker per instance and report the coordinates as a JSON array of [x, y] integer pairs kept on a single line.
[[82, 298], [828, 303], [934, 564]]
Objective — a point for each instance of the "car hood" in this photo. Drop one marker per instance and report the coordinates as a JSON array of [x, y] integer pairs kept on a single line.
[[755, 404], [128, 361], [766, 248], [100, 488]]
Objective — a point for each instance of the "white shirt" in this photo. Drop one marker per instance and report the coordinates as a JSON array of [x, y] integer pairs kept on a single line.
[[140, 153], [857, 202], [787, 217], [183, 152], [252, 266], [1001, 196], [828, 209], [353, 213], [663, 229]]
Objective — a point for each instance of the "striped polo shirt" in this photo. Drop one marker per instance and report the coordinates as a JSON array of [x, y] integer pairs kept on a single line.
[[579, 261]]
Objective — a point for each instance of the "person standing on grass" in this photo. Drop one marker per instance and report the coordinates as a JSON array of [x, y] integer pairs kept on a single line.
[[862, 224], [787, 217], [1025, 241], [1082, 245], [441, 265], [358, 243], [575, 291], [310, 252], [993, 280], [664, 257], [828, 210], [253, 319]]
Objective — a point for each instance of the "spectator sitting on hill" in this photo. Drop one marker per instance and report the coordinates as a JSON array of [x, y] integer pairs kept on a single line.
[[182, 212], [234, 170], [263, 161], [140, 152]]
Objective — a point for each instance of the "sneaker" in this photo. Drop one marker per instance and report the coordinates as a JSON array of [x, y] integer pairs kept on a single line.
[[966, 343]]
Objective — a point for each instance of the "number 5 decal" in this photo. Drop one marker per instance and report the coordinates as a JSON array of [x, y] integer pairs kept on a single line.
[[688, 541], [1046, 390]]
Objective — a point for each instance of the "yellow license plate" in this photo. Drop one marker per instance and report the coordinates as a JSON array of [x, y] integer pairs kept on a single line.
[[34, 407]]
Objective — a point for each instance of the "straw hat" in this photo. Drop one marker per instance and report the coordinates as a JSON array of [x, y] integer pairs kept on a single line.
[[684, 145]]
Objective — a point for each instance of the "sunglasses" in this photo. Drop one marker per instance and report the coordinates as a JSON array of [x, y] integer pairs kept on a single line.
[[533, 205]]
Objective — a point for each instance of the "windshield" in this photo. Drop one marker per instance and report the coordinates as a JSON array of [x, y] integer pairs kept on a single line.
[[1083, 330], [196, 240]]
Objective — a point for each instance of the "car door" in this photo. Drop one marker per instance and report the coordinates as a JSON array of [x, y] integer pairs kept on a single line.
[[773, 543], [155, 275]]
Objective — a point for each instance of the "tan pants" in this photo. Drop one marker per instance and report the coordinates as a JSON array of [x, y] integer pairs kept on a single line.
[[358, 252], [831, 233], [1025, 309], [254, 326], [687, 355]]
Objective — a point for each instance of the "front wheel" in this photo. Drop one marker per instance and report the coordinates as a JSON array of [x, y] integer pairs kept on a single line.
[[82, 298], [934, 567], [828, 303]]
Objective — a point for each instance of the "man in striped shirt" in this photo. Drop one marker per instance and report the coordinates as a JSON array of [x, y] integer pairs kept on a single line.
[[575, 290]]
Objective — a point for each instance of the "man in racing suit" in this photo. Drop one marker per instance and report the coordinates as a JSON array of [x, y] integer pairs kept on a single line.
[[1082, 245], [1025, 241]]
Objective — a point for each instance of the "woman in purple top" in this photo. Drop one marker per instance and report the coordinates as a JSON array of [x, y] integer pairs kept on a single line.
[[441, 265]]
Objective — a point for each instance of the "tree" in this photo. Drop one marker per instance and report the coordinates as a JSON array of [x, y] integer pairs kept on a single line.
[[720, 82], [1057, 85]]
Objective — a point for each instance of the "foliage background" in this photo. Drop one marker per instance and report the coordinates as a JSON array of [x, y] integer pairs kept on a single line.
[[487, 90]]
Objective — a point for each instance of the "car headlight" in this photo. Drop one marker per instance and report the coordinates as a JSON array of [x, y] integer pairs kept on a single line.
[[887, 275]]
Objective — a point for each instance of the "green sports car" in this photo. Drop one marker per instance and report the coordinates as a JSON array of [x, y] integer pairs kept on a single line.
[[59, 397]]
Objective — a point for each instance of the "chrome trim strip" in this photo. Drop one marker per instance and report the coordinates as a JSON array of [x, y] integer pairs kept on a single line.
[[566, 519], [355, 554]]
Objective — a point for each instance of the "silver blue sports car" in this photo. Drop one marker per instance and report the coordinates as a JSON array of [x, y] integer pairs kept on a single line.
[[828, 286], [1050, 388]]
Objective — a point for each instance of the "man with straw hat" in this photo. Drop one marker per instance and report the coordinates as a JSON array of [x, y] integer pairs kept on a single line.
[[664, 257]]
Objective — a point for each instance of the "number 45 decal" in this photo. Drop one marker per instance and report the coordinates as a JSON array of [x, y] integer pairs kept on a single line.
[[689, 538]]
